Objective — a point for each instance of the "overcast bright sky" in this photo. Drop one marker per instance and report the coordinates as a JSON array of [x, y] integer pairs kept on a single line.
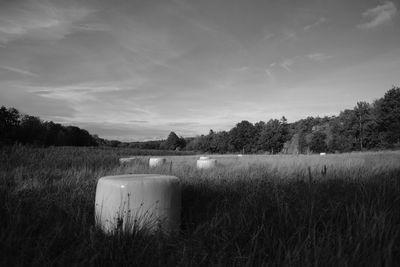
[[135, 70]]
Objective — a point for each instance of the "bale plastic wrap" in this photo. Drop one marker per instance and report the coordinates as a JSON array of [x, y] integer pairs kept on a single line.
[[138, 201], [127, 160], [206, 163], [156, 162]]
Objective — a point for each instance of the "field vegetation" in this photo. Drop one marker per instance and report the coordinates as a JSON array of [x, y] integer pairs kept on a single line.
[[296, 210]]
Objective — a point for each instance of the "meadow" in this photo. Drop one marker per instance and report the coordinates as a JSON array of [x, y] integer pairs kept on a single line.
[[257, 210]]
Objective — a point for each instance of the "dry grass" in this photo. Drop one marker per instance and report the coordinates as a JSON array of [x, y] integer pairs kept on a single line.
[[254, 210]]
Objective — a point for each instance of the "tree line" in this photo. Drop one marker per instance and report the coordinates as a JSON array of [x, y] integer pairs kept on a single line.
[[29, 130], [367, 126]]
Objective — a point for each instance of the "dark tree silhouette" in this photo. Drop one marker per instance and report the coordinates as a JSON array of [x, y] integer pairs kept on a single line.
[[9, 124], [388, 112], [173, 142], [242, 136], [30, 130], [318, 143]]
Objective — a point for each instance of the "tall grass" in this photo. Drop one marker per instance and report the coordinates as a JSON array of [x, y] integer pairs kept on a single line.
[[254, 210]]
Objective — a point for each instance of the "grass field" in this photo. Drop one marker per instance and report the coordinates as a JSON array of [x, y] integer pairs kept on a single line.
[[249, 211]]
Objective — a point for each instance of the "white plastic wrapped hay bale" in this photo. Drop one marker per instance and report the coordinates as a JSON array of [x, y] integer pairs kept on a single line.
[[156, 162], [204, 157], [127, 160], [138, 201], [206, 163], [322, 154], [240, 155]]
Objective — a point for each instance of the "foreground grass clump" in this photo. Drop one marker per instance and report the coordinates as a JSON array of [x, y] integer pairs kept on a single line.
[[257, 210]]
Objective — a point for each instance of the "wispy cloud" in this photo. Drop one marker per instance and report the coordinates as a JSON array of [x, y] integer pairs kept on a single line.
[[268, 70], [287, 63], [289, 35], [268, 36], [320, 57], [315, 24], [17, 94], [39, 20], [17, 70], [379, 15], [72, 93], [269, 73]]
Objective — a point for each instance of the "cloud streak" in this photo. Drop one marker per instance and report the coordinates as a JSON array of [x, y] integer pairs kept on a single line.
[[39, 20], [19, 71], [380, 15], [315, 24], [319, 57], [287, 63]]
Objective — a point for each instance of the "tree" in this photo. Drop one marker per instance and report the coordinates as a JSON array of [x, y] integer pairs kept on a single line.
[[303, 128], [284, 130], [196, 144], [259, 126], [273, 135], [115, 143], [219, 142], [388, 116], [366, 124], [52, 130], [181, 143], [32, 130], [345, 130], [242, 136], [318, 143], [9, 125], [173, 142]]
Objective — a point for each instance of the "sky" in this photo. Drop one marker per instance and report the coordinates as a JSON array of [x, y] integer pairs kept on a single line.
[[136, 70]]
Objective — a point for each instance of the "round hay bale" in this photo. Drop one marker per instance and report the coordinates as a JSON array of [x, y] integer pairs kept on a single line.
[[204, 157], [156, 162], [322, 154], [138, 202], [240, 155], [127, 160], [206, 163]]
